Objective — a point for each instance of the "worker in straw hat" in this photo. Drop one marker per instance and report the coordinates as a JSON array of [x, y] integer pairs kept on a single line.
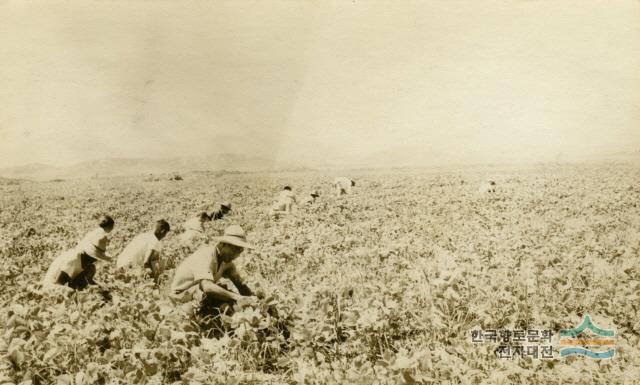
[[195, 282]]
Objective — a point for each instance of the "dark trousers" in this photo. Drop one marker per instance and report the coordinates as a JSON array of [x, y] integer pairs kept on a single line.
[[212, 306], [84, 279]]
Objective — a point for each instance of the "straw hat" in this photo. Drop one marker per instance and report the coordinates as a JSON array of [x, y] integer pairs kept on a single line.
[[234, 235]]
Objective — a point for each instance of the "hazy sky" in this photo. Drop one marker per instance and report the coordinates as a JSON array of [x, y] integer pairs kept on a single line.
[[317, 80]]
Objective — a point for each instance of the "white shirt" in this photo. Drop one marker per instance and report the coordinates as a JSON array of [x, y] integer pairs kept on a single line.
[[487, 187], [343, 183], [95, 243], [308, 200], [139, 250], [193, 229], [286, 196], [284, 199], [194, 224], [199, 266], [68, 262]]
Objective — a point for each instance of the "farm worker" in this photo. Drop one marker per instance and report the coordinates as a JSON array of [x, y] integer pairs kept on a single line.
[[220, 210], [144, 250], [196, 278], [75, 267], [194, 229], [284, 203], [487, 187], [311, 198], [343, 185]]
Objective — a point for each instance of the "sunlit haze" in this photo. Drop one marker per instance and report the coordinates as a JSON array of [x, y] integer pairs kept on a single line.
[[319, 82]]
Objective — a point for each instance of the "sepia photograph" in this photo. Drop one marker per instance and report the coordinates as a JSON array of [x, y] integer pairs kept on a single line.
[[305, 192]]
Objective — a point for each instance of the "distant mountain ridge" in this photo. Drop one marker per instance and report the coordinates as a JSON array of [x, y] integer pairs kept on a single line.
[[110, 167], [409, 156], [425, 156]]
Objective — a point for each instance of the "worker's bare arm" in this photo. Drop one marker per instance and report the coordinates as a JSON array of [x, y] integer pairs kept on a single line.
[[211, 288]]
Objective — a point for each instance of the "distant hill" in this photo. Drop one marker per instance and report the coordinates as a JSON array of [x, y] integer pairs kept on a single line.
[[624, 157], [424, 156], [10, 181], [142, 166], [409, 156]]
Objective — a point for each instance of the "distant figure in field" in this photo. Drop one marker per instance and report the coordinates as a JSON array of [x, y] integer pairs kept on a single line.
[[194, 230], [311, 198], [195, 282], [144, 250], [194, 227], [75, 268], [284, 202], [487, 187], [343, 185], [221, 209]]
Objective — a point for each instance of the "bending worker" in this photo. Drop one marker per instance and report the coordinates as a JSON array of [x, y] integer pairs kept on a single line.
[[195, 283], [76, 267], [144, 250], [343, 185]]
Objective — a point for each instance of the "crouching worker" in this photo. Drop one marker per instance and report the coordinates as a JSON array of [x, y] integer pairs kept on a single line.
[[343, 185], [144, 250], [221, 209], [284, 203], [194, 231], [311, 198], [195, 283], [76, 267]]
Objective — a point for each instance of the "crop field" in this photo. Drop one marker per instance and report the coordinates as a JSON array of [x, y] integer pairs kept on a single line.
[[382, 286]]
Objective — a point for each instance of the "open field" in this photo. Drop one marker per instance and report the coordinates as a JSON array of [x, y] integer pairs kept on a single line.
[[383, 286]]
